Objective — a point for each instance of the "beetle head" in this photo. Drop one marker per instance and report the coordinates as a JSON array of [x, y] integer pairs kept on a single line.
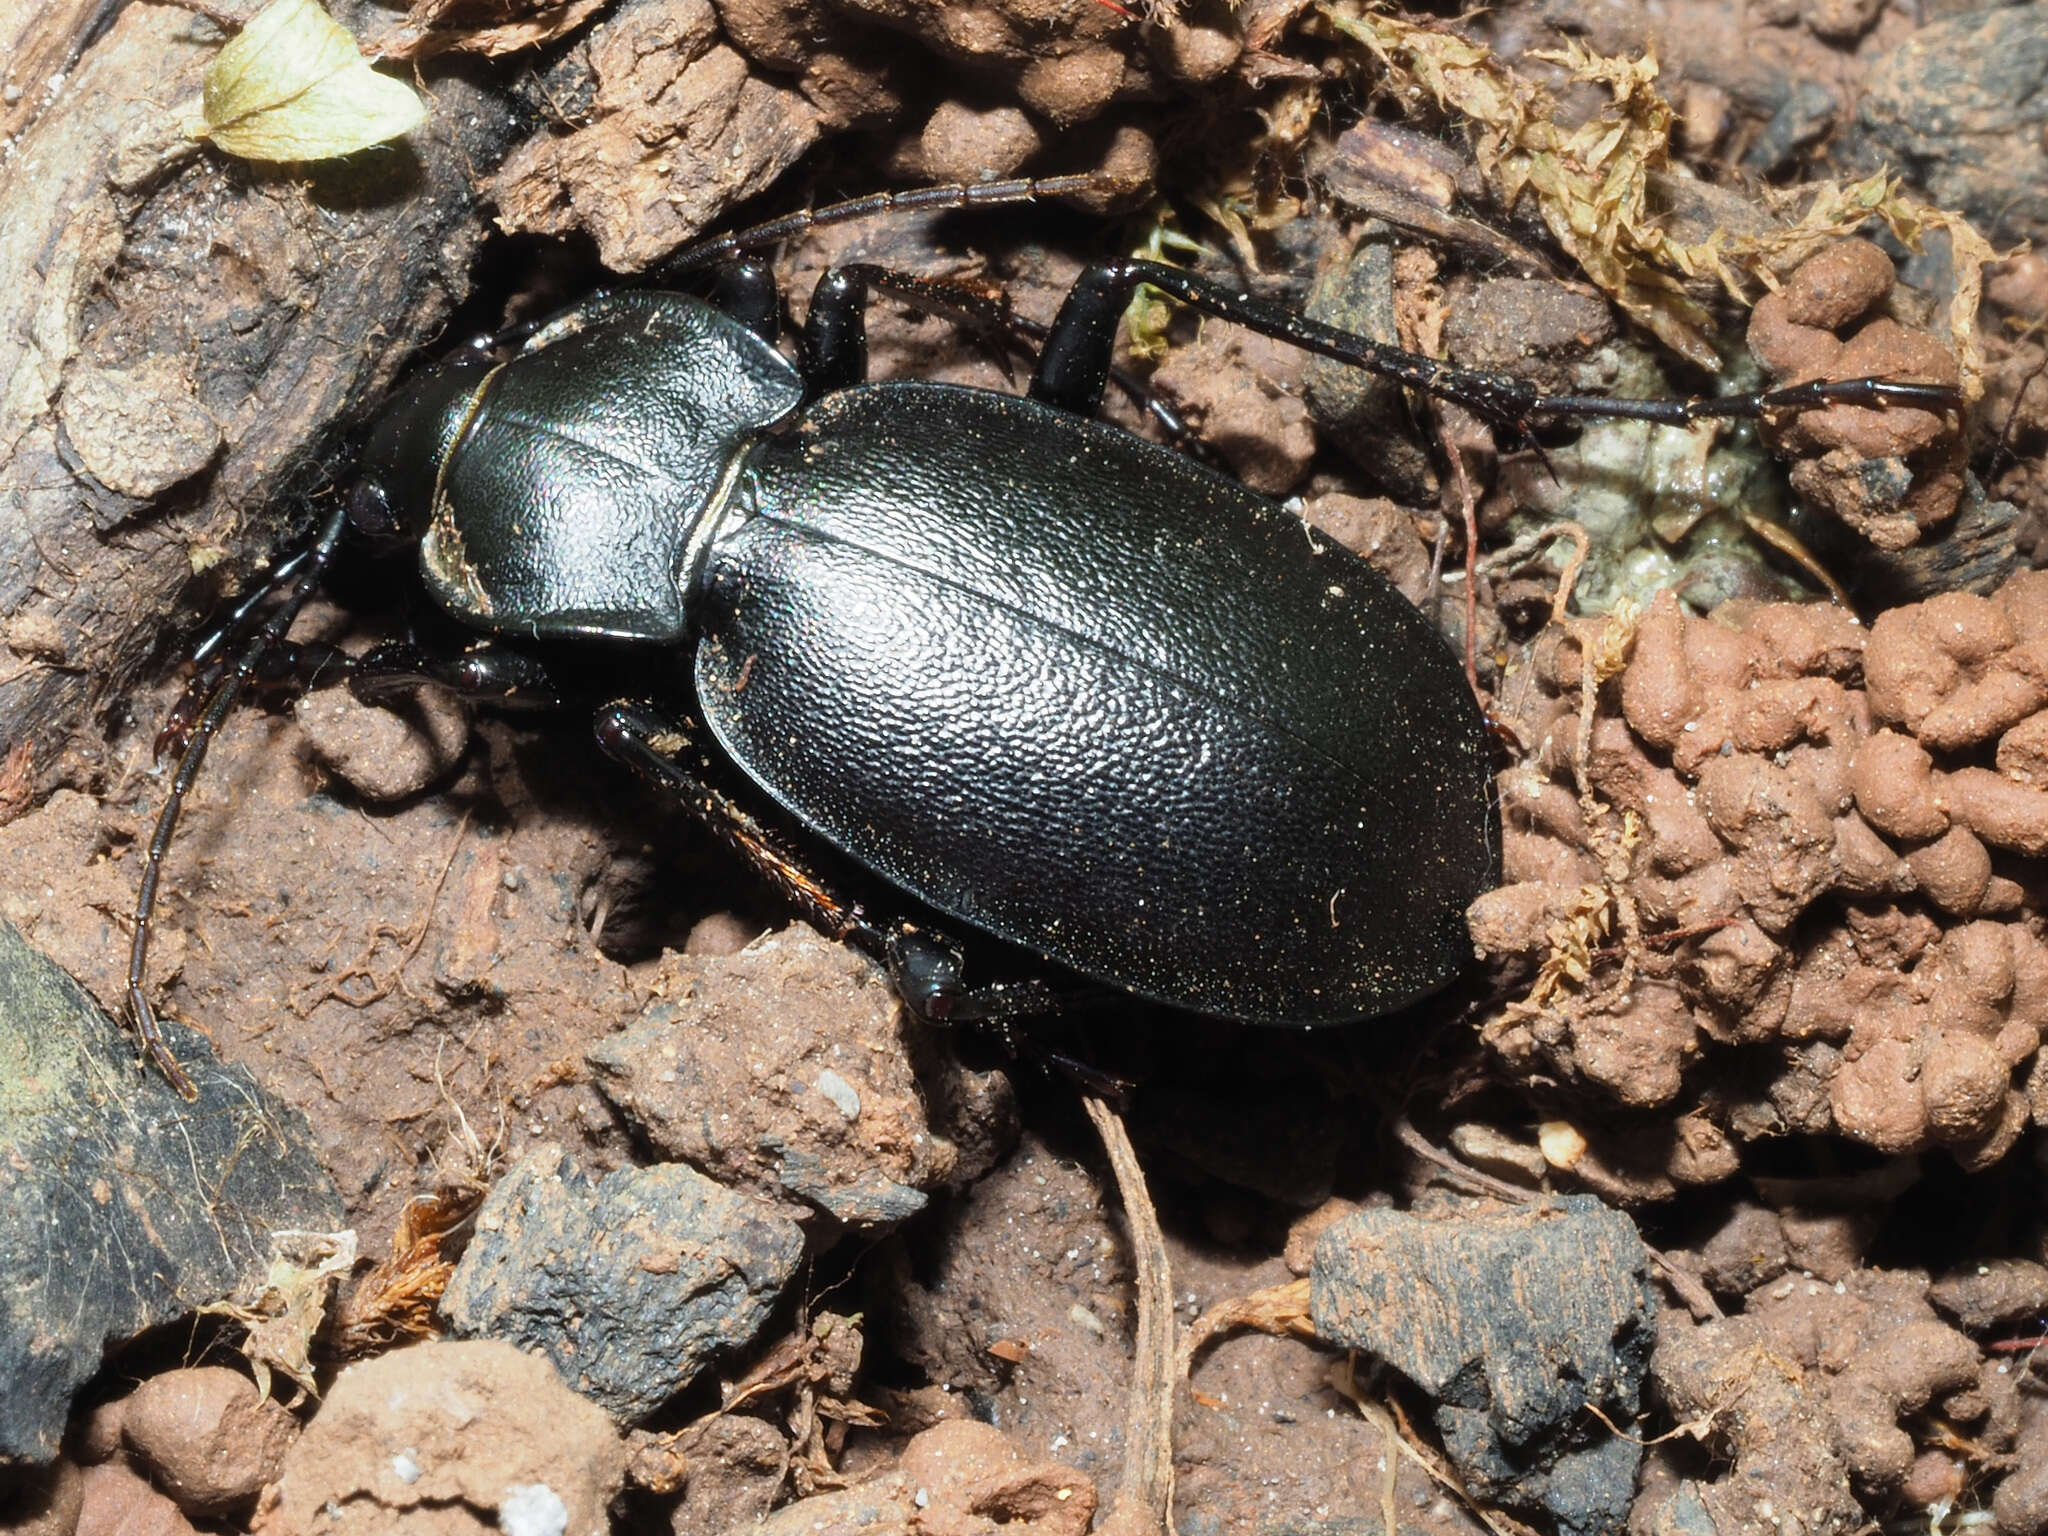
[[392, 499]]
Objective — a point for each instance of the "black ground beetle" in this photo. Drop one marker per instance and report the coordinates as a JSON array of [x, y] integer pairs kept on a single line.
[[1049, 681]]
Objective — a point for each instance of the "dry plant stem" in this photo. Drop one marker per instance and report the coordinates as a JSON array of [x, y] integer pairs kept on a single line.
[[411, 938], [1787, 543], [1431, 223], [228, 19], [1144, 1497], [1468, 512], [942, 198], [1390, 1475], [1438, 548], [1280, 1310], [1472, 1178], [1602, 647], [1394, 1425], [1690, 1290], [2003, 451], [1568, 578]]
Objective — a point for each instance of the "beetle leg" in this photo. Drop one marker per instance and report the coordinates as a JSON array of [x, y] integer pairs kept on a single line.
[[927, 967], [671, 754], [835, 347], [504, 679], [299, 664], [929, 970], [486, 674], [297, 578], [835, 340], [1074, 366], [745, 289]]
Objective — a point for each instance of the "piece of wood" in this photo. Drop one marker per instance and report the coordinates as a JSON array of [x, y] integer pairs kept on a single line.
[[177, 332]]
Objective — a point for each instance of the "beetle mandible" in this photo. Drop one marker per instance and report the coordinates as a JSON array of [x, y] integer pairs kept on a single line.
[[1045, 680]]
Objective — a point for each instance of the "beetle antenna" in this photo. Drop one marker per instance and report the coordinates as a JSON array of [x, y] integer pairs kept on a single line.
[[302, 573], [945, 198]]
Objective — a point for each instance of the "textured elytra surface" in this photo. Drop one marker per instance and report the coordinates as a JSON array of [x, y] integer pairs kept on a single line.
[[1100, 702]]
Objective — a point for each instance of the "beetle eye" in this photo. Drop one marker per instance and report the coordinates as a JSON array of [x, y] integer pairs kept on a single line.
[[370, 514]]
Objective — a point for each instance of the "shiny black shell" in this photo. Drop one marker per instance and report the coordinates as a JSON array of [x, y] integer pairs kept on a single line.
[[1076, 690], [1055, 682]]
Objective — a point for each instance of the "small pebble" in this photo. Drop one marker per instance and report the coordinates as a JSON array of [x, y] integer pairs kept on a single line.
[[115, 1500], [207, 1437]]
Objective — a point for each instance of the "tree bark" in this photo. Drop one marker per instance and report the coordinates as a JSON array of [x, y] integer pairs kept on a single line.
[[177, 332]]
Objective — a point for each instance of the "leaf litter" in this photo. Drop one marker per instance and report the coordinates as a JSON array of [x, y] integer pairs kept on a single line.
[[1594, 184]]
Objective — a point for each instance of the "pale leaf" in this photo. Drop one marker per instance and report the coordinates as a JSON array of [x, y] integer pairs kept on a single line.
[[292, 85]]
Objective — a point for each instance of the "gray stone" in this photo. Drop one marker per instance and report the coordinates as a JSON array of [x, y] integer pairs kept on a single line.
[[1517, 1323], [629, 1283], [121, 1205], [1366, 416], [1959, 108]]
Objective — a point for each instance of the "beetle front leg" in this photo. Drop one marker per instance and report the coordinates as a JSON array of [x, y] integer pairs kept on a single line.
[[301, 665], [504, 679]]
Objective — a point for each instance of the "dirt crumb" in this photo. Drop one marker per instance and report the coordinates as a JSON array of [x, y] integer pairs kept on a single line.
[[1891, 474], [1800, 809], [449, 1439], [207, 1437]]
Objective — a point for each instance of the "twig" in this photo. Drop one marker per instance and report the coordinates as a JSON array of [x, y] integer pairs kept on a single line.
[[1529, 543], [1144, 1496], [1280, 1310], [1343, 1380], [1484, 1183], [1468, 512]]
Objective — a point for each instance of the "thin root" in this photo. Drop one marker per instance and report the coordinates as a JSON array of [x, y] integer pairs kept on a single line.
[[1144, 1498]]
